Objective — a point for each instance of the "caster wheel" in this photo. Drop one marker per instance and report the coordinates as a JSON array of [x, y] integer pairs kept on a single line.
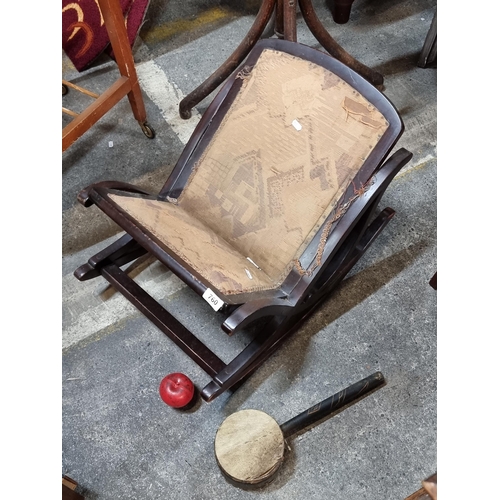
[[148, 131], [64, 89]]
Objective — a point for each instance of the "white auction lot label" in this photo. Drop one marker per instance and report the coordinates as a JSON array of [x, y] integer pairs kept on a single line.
[[212, 299]]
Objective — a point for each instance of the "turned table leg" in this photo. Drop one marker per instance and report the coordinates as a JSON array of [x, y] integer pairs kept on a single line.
[[333, 48], [214, 80], [340, 9]]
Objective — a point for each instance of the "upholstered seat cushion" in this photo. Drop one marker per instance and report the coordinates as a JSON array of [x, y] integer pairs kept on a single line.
[[227, 270], [291, 143]]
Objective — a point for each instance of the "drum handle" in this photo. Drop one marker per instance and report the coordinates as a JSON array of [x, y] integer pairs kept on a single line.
[[332, 404]]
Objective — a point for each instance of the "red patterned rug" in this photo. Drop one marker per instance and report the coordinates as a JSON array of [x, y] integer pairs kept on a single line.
[[84, 36]]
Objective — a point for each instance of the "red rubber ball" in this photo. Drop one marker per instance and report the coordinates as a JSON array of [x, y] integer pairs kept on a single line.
[[176, 390]]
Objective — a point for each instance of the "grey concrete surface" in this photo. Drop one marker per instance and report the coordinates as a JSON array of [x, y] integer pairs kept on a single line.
[[119, 440]]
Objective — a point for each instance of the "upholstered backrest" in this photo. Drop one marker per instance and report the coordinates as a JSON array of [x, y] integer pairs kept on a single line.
[[283, 156]]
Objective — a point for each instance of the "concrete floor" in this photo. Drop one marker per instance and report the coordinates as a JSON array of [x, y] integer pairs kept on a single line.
[[119, 440]]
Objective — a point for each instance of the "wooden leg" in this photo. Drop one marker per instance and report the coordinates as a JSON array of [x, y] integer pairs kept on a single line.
[[279, 28], [428, 491], [340, 9], [80, 124], [213, 81], [434, 281], [126, 85], [290, 20], [115, 26], [428, 54], [69, 489], [333, 48]]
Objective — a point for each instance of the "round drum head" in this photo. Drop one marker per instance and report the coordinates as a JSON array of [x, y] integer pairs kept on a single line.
[[249, 446]]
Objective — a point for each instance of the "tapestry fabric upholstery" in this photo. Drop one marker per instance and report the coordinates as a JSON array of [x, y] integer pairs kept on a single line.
[[282, 158]]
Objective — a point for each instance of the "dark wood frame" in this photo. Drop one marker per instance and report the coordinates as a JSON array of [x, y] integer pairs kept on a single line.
[[69, 487], [340, 9], [300, 294], [428, 55]]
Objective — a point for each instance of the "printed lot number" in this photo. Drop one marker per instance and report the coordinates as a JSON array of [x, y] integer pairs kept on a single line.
[[212, 299]]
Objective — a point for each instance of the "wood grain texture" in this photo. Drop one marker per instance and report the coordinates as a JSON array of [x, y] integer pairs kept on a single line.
[[428, 490]]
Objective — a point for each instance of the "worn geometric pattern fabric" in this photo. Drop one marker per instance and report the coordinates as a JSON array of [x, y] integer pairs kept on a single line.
[[212, 257], [283, 156]]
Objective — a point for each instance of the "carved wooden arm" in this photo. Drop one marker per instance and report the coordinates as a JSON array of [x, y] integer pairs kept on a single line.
[[251, 311]]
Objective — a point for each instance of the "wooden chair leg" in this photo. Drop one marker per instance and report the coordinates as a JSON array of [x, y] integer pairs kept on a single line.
[[221, 74], [290, 20], [341, 10], [279, 28], [333, 48], [433, 282], [428, 491], [274, 333], [115, 25], [428, 54], [69, 487], [126, 85]]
